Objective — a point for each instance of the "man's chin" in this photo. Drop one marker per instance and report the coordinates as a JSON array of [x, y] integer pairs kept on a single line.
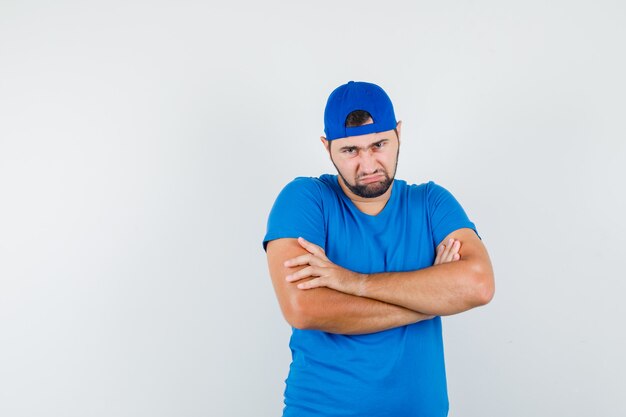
[[374, 187], [372, 190]]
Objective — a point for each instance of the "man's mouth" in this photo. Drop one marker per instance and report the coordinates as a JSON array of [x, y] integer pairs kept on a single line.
[[368, 179]]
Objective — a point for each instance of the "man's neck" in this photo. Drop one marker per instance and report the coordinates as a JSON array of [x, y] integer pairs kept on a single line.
[[371, 206]]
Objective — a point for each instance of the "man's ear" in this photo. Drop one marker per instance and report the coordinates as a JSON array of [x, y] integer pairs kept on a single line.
[[326, 143], [398, 129]]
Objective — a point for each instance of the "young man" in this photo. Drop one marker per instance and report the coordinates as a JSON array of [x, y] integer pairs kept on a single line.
[[364, 265]]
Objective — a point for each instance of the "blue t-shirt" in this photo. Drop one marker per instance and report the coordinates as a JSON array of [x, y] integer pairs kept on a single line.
[[396, 372]]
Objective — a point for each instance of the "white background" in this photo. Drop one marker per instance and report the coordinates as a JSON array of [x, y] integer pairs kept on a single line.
[[142, 145]]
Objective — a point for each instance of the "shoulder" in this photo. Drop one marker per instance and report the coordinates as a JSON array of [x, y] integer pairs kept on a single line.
[[312, 187], [305, 183], [437, 193], [429, 189], [427, 186], [415, 191], [306, 193], [429, 193], [299, 211]]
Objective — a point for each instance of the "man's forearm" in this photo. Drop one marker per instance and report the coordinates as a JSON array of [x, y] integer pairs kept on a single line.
[[450, 286], [326, 309], [335, 312], [440, 290]]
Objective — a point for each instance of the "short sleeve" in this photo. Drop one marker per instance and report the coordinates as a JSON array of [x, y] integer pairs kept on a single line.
[[297, 212], [445, 213]]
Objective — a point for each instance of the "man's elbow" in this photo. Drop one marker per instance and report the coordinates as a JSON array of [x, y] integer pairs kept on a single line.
[[298, 322], [297, 312], [483, 286]]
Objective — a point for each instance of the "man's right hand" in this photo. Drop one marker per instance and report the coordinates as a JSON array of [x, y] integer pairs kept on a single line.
[[448, 252]]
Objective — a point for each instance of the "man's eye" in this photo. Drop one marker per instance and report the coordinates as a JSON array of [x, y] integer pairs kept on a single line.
[[379, 145], [349, 151]]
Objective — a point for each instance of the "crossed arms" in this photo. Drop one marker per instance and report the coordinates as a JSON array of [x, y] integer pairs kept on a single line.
[[315, 293]]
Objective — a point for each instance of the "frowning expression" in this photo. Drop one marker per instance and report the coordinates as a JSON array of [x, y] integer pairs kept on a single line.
[[367, 163]]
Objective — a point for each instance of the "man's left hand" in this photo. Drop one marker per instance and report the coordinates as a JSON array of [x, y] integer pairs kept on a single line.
[[322, 271]]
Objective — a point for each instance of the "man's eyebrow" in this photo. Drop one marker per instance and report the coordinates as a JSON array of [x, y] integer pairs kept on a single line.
[[348, 147]]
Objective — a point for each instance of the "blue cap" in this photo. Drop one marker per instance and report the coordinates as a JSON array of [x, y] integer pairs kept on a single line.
[[357, 95]]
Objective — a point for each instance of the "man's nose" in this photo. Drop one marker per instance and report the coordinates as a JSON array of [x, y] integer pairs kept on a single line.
[[368, 162]]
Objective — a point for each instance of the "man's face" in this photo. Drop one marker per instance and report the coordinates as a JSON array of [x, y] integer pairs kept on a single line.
[[367, 163]]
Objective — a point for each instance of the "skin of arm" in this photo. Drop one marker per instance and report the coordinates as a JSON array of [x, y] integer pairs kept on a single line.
[[327, 309], [442, 289]]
